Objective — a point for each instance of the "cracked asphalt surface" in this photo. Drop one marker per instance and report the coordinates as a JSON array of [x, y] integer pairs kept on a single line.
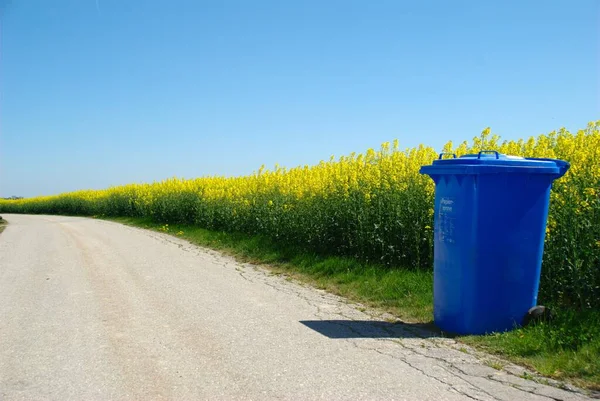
[[94, 310]]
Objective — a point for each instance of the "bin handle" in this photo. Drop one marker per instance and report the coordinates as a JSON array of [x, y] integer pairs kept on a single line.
[[446, 153], [488, 151]]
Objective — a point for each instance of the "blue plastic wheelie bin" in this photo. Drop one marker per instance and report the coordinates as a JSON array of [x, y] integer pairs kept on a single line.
[[490, 217]]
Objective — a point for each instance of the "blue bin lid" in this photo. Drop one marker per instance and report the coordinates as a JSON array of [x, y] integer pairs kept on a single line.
[[490, 162]]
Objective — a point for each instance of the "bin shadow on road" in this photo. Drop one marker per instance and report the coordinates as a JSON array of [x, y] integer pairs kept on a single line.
[[371, 329]]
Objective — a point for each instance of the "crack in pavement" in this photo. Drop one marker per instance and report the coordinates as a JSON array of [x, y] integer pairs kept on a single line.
[[532, 388], [430, 356], [451, 386]]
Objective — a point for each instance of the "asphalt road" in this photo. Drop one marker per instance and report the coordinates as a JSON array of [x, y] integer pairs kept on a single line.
[[94, 310]]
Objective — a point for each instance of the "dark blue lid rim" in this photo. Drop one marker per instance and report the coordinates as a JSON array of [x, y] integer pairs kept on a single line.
[[493, 162], [488, 169]]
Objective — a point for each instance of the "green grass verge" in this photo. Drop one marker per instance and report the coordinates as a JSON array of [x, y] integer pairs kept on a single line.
[[567, 348]]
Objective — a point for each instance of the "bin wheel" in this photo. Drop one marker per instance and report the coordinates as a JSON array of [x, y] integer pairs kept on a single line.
[[537, 314]]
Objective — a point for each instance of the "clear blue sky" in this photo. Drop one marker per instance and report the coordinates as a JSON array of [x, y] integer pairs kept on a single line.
[[107, 92]]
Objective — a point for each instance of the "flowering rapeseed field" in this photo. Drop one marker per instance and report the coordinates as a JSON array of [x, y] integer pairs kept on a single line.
[[373, 206]]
